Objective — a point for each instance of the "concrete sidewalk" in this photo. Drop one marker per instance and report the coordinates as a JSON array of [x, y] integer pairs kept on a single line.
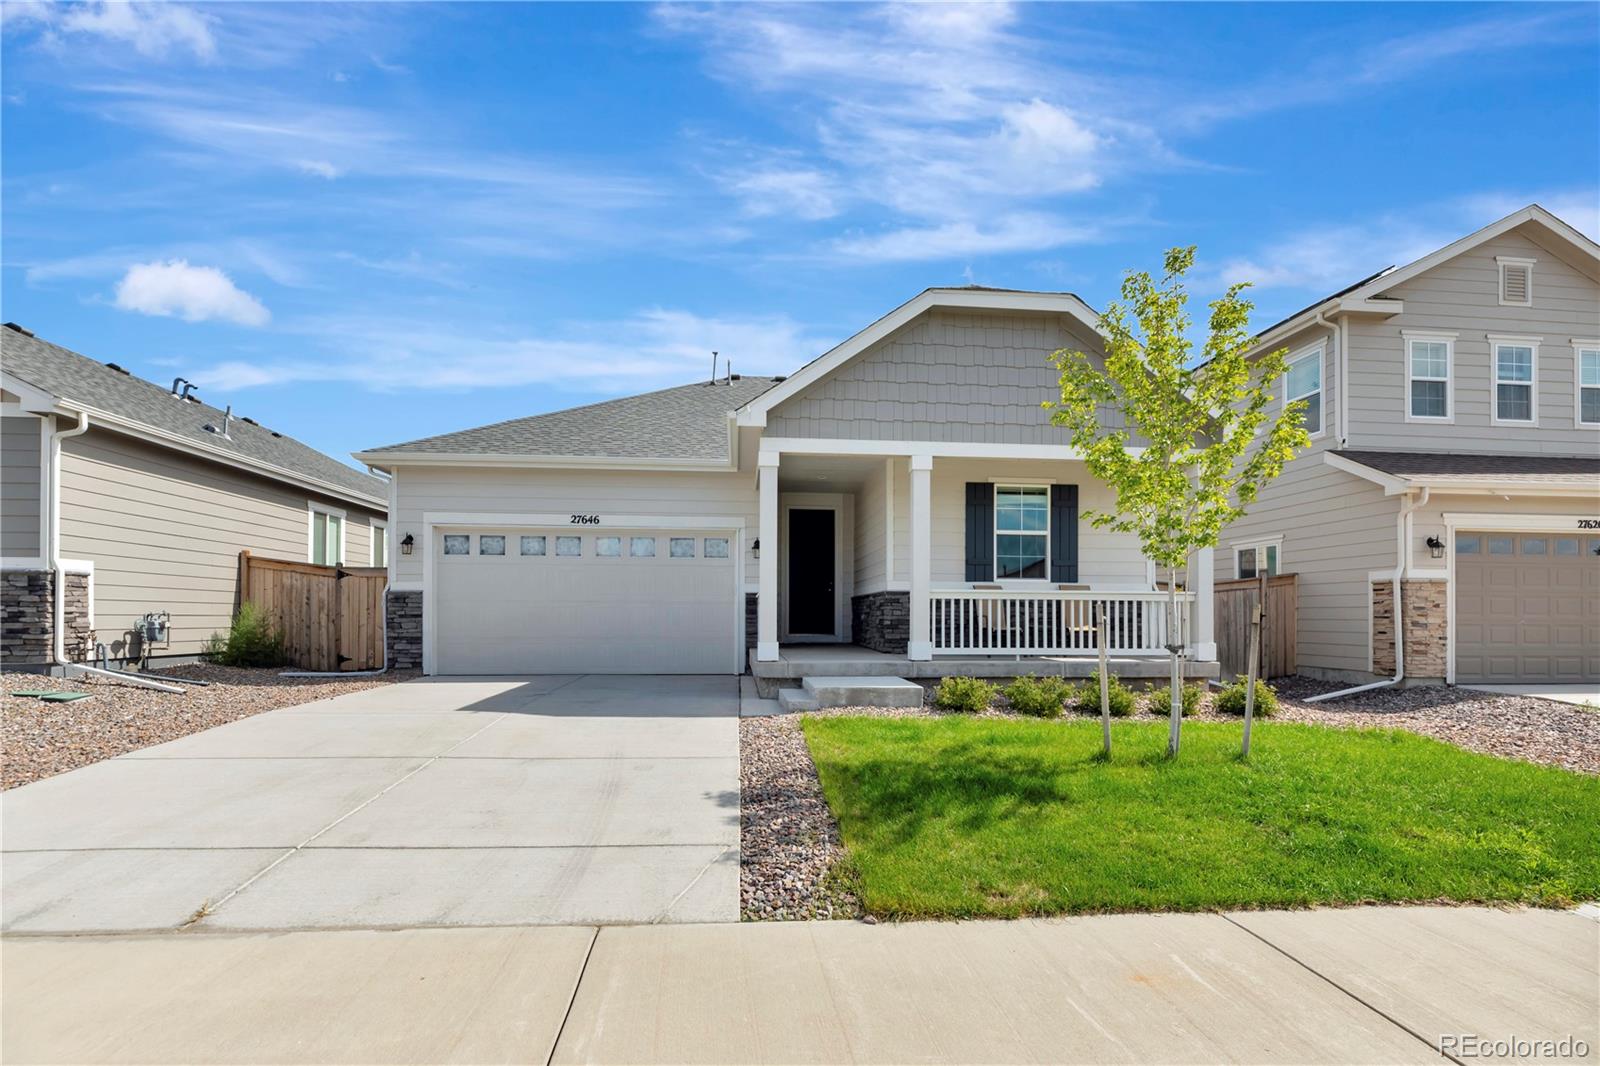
[[1369, 985]]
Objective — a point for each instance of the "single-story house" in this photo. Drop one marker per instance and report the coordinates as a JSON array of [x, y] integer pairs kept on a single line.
[[141, 498], [903, 497]]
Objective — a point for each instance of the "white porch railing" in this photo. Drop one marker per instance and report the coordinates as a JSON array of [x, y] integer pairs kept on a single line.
[[1052, 622]]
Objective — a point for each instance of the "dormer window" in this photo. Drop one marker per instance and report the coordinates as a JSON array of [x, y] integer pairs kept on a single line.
[[1516, 281]]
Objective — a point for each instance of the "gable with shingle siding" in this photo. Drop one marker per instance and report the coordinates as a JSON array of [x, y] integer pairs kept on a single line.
[[949, 375]]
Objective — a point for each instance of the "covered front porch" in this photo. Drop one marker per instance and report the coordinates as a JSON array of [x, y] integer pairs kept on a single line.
[[921, 560]]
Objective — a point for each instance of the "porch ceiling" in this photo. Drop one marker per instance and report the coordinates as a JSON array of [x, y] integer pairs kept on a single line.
[[825, 473]]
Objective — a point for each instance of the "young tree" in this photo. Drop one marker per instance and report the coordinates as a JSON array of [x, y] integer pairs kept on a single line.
[[1190, 455]]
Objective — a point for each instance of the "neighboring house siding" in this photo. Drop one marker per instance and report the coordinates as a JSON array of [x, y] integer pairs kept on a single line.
[[1105, 559], [164, 531], [947, 376], [19, 486], [1462, 296], [1336, 529], [608, 493]]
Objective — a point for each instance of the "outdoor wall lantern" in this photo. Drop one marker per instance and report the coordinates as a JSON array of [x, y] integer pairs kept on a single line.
[[1436, 547], [755, 547], [407, 544]]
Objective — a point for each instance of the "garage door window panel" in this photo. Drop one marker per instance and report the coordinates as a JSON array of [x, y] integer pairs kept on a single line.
[[681, 548], [457, 544], [608, 547], [569, 546], [642, 547], [716, 547], [533, 545], [492, 544]]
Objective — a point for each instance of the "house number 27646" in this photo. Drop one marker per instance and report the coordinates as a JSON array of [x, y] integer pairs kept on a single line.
[[585, 519]]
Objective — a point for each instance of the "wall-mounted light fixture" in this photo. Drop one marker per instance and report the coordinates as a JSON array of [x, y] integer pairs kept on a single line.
[[755, 547], [407, 544], [1436, 547]]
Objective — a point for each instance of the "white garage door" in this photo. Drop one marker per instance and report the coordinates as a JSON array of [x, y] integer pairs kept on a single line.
[[1527, 607], [560, 601]]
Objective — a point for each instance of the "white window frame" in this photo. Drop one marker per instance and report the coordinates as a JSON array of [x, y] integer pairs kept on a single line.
[[1579, 346], [1449, 342], [1496, 342], [1320, 351], [378, 524], [995, 533], [1260, 546], [1503, 261], [312, 510]]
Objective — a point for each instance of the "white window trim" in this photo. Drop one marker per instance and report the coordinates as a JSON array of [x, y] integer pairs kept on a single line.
[[1449, 342], [994, 535], [377, 524], [1579, 345], [313, 509], [1503, 261], [1496, 342], [1319, 350], [1260, 544]]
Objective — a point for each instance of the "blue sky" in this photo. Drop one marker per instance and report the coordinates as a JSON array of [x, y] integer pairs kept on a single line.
[[367, 224]]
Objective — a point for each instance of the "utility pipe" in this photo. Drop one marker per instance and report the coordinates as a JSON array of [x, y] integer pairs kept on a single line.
[[58, 627], [1403, 545], [1341, 367]]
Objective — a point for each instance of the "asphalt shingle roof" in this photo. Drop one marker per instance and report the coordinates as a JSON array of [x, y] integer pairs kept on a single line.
[[78, 379], [1435, 464], [685, 422]]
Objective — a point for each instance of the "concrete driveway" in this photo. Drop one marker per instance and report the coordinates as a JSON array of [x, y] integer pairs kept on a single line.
[[450, 801]]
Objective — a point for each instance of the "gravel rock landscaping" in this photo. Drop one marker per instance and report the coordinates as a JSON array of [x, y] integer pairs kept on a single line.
[[790, 848], [788, 841], [39, 739]]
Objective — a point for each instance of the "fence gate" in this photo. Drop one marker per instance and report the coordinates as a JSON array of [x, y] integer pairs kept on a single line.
[[331, 616], [1235, 600]]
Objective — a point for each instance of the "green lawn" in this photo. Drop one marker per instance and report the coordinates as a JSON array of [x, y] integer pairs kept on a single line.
[[959, 816]]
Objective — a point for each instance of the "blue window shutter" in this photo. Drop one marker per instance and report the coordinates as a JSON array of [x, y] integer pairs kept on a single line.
[[1064, 534], [980, 531]]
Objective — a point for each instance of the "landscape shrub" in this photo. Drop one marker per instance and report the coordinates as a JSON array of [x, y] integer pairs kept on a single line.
[[1041, 696], [1119, 697], [252, 640], [964, 694], [1231, 699], [1194, 694]]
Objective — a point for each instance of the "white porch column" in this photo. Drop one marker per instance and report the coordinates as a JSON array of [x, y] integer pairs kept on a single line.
[[921, 643], [767, 565], [1204, 639]]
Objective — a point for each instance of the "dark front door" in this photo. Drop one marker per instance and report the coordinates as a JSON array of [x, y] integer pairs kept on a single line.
[[811, 606]]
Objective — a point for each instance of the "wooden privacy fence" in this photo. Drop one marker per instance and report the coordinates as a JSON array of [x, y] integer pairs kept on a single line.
[[331, 616], [1279, 621]]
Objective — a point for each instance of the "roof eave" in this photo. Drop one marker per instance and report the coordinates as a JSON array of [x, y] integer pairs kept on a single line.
[[1467, 485], [388, 460]]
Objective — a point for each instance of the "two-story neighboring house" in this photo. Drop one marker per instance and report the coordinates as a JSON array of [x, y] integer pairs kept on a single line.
[[1454, 409]]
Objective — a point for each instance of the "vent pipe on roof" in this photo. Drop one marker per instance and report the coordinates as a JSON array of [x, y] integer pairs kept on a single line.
[[713, 380]]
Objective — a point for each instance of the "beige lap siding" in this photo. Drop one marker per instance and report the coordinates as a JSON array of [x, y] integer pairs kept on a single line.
[[164, 532], [1105, 558], [19, 486]]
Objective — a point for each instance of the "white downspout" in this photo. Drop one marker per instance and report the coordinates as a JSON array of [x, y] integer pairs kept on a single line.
[[1403, 546], [58, 607], [1341, 349]]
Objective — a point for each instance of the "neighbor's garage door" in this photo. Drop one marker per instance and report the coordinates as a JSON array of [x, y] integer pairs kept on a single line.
[[1527, 607], [563, 602]]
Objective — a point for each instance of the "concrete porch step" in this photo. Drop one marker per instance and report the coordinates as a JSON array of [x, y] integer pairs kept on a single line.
[[794, 700], [863, 691]]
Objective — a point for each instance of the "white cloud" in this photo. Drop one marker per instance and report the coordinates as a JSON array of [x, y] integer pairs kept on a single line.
[[946, 115], [153, 30], [319, 167], [653, 348], [1009, 233], [193, 293]]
